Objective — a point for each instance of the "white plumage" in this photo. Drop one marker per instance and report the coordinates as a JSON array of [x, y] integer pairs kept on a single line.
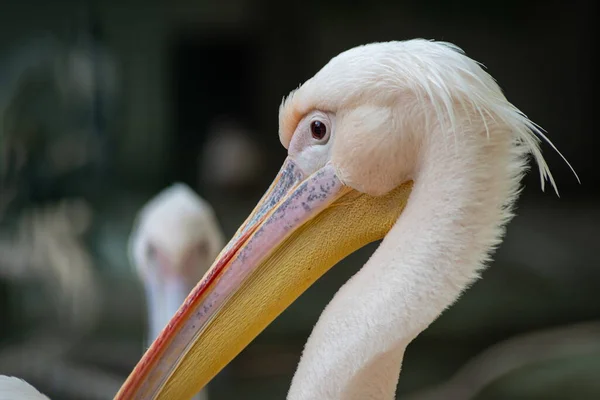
[[421, 111], [12, 388]]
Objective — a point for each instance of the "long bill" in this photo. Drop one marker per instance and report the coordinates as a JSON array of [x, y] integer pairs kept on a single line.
[[301, 227]]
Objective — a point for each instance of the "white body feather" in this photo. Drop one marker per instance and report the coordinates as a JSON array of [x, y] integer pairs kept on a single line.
[[12, 388]]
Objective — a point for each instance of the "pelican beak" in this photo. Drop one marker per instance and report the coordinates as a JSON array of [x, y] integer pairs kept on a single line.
[[301, 227]]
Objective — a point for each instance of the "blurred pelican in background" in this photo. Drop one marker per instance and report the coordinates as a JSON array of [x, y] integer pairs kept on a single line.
[[175, 239]]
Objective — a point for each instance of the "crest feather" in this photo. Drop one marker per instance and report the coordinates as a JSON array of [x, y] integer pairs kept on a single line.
[[438, 72]]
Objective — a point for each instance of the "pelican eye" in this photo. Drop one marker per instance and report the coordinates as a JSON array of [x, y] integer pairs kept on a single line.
[[318, 130]]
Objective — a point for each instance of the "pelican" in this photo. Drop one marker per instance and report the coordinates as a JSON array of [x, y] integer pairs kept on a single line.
[[174, 240], [409, 142]]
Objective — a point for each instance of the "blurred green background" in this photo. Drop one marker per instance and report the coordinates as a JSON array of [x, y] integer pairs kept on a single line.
[[105, 103]]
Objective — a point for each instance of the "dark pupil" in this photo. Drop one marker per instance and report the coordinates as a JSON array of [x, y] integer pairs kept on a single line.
[[318, 129]]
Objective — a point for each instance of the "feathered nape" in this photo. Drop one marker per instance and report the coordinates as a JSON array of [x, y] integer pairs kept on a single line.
[[486, 97]]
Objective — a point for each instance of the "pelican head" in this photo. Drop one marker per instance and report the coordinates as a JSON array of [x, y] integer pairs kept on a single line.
[[174, 240], [407, 141]]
